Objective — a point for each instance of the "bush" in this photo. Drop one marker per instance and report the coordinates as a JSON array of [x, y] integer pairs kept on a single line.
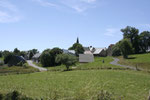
[[66, 59], [15, 95], [48, 57], [7, 57], [125, 47], [116, 50], [104, 95]]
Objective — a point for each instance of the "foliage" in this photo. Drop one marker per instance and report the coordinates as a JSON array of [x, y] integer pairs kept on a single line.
[[15, 95], [45, 59], [116, 50], [131, 33], [1, 54], [16, 51], [66, 59], [78, 48], [104, 95], [7, 57], [5, 53], [125, 48], [144, 41], [48, 57]]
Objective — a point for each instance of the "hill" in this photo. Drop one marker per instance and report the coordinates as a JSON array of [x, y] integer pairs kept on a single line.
[[137, 60]]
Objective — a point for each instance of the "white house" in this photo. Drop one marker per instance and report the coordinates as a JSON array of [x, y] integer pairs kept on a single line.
[[85, 58]]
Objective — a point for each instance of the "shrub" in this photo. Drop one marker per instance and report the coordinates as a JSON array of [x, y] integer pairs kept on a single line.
[[104, 95], [15, 95], [48, 57], [66, 60], [7, 57]]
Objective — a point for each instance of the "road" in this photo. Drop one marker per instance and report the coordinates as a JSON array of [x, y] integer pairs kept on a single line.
[[35, 66], [115, 62]]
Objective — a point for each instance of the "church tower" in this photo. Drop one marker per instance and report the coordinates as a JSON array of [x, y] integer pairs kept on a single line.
[[77, 40]]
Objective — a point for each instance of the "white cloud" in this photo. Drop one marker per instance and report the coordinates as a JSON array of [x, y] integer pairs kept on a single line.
[[111, 32], [77, 5], [8, 12]]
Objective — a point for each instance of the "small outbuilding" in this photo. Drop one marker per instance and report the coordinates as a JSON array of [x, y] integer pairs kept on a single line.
[[85, 58]]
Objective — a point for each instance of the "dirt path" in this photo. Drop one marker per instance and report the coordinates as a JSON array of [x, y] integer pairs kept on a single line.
[[35, 66], [115, 62]]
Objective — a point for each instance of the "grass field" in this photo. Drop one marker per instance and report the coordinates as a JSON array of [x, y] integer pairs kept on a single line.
[[97, 64], [139, 60], [79, 85]]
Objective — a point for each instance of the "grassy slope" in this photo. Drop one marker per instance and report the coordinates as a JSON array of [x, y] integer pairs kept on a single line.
[[97, 64], [140, 60], [130, 85]]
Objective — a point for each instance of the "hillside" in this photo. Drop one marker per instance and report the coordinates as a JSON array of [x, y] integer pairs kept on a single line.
[[137, 60]]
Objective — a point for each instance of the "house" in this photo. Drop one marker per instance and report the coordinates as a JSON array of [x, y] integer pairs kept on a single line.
[[101, 52], [85, 58], [87, 50], [95, 51], [148, 50], [36, 57], [72, 52]]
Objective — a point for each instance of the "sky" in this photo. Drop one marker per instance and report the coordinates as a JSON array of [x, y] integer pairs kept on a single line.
[[42, 24]]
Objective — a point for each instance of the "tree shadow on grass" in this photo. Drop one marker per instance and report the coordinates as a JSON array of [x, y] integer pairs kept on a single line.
[[131, 58]]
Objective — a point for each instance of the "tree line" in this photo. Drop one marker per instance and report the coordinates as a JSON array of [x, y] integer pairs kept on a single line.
[[133, 42]]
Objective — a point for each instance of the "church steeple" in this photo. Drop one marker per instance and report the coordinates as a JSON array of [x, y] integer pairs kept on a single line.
[[77, 40]]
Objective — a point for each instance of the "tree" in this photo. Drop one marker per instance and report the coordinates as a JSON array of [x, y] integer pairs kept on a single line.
[[7, 57], [125, 47], [16, 51], [45, 59], [144, 41], [131, 33], [54, 52], [1, 54], [66, 59], [116, 50], [48, 57], [78, 48]]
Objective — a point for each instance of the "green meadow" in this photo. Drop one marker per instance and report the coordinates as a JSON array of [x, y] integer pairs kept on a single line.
[[137, 60], [79, 85]]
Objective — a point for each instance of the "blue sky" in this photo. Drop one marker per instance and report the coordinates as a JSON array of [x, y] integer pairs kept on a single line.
[[41, 24]]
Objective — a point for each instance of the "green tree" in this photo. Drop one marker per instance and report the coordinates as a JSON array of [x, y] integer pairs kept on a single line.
[[54, 52], [1, 53], [48, 57], [66, 59], [125, 47], [78, 48], [144, 41], [7, 57], [116, 50], [131, 33], [16, 51], [45, 59]]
